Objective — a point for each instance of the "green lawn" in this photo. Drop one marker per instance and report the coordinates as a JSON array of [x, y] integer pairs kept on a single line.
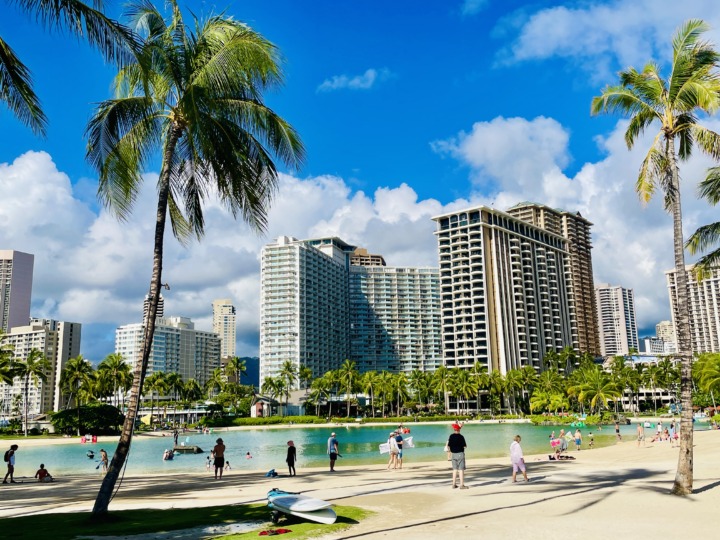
[[131, 522]]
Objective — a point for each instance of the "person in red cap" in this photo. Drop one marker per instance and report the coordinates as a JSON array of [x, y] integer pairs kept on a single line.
[[456, 444]]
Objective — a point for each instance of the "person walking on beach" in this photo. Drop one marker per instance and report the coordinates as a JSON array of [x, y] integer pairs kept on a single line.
[[578, 439], [103, 460], [219, 452], [640, 435], [456, 443], [291, 457], [517, 459], [617, 432], [10, 460], [332, 450], [393, 446]]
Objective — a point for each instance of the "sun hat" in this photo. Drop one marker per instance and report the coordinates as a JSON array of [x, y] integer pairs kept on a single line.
[[332, 434]]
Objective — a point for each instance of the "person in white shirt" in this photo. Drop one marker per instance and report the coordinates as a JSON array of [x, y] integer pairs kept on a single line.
[[517, 459]]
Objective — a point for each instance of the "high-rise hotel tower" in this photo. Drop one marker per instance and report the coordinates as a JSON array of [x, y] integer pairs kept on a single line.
[[704, 295], [324, 301], [504, 290], [576, 230], [618, 325], [224, 326], [16, 274]]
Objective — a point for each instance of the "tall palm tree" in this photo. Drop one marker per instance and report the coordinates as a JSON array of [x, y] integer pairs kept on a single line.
[[288, 374], [441, 380], [34, 368], [528, 378], [77, 371], [673, 103], [597, 388], [482, 380], [348, 378], [196, 96], [112, 39], [235, 367], [305, 375], [369, 382], [156, 383], [463, 385], [6, 360], [176, 385], [400, 390], [320, 387], [117, 372]]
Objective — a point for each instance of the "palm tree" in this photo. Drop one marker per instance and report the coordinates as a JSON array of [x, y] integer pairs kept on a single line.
[[112, 39], [34, 368], [288, 374], [597, 388], [6, 360], [305, 375], [648, 98], [528, 378], [400, 390], [497, 387], [463, 385], [441, 380], [385, 388], [117, 372], [320, 388], [192, 391], [235, 367], [77, 372], [197, 97], [369, 383], [175, 384], [348, 377], [482, 379], [513, 383], [156, 383]]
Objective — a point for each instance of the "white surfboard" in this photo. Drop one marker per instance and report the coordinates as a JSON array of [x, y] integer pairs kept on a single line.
[[407, 443], [299, 503], [326, 516]]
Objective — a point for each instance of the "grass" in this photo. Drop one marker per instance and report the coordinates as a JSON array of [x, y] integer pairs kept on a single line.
[[131, 522]]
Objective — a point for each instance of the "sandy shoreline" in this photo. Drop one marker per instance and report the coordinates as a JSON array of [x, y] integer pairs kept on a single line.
[[622, 491]]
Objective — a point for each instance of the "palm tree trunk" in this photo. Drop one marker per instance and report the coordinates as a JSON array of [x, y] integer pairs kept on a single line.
[[102, 502], [27, 392], [683, 484]]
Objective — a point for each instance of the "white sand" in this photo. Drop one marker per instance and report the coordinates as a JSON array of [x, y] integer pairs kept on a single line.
[[617, 492]]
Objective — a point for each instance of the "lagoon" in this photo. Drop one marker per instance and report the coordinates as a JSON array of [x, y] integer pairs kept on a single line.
[[268, 447]]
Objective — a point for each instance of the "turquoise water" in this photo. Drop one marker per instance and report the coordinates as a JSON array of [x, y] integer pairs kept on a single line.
[[268, 446]]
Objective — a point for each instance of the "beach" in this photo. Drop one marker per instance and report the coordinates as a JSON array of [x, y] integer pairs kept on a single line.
[[620, 491]]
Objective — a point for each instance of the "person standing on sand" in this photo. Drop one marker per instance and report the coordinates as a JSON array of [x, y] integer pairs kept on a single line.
[[219, 453], [103, 460], [456, 443], [617, 432], [517, 459], [578, 439], [640, 435], [399, 441], [332, 449], [291, 457], [10, 460], [392, 445]]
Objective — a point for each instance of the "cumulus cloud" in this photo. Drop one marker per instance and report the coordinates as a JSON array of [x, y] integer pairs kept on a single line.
[[355, 82], [91, 268], [613, 35]]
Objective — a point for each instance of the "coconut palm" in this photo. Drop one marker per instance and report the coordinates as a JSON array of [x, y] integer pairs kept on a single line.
[[305, 375], [528, 378], [175, 384], [348, 378], [400, 390], [33, 368], [6, 359], [463, 385], [321, 388], [288, 374], [112, 39], [156, 383], [197, 97], [693, 86], [76, 373], [118, 374], [216, 382], [369, 382], [597, 388], [235, 368], [420, 383], [441, 380]]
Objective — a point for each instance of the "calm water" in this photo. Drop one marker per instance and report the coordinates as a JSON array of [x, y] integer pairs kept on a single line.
[[268, 446]]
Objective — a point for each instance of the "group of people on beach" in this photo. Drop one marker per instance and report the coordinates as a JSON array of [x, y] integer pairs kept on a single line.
[[42, 474]]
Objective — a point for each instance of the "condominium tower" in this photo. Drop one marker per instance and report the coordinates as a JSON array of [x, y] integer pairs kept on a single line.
[[704, 296], [16, 274], [576, 230], [618, 326], [224, 326], [58, 341], [177, 348], [324, 301], [504, 291]]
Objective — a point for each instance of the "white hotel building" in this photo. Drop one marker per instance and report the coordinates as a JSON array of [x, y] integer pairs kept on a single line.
[[616, 315], [704, 308], [324, 301], [177, 348]]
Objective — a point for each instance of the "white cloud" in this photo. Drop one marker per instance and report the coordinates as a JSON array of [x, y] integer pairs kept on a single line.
[[90, 268], [357, 82], [625, 32]]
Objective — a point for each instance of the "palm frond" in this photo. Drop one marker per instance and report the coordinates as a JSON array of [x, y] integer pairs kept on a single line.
[[17, 92], [709, 188], [707, 140]]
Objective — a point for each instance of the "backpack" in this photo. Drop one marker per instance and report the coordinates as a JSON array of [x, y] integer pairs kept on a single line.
[[7, 456]]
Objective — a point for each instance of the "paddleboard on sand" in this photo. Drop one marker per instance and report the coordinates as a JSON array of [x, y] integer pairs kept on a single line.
[[302, 506]]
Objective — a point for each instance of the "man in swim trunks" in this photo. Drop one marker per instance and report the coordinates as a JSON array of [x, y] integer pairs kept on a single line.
[[640, 435], [219, 453]]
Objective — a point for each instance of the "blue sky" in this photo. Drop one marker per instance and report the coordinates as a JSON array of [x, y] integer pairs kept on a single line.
[[407, 109]]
